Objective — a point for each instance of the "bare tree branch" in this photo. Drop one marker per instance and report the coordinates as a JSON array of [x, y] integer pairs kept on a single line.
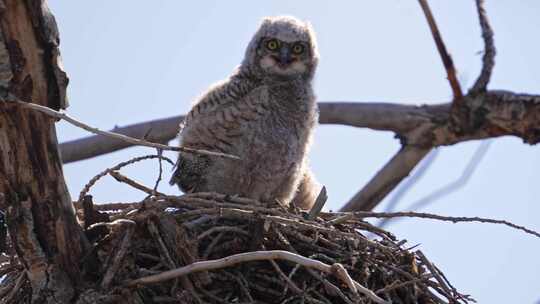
[[445, 56], [158, 131], [452, 186], [455, 185], [453, 219], [386, 179], [411, 181], [488, 60], [134, 141], [424, 125], [378, 116], [335, 269]]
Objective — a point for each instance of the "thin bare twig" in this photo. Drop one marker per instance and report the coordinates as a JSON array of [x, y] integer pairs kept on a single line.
[[222, 229], [453, 186], [18, 284], [446, 59], [160, 174], [435, 273], [124, 179], [94, 179], [412, 180], [394, 286], [249, 257], [461, 181], [287, 279], [453, 219], [138, 142], [488, 60], [122, 250], [386, 179]]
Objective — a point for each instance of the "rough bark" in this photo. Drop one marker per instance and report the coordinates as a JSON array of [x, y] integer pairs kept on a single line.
[[41, 220]]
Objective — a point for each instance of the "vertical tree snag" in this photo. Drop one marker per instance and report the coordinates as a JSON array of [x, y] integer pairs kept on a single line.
[[41, 219]]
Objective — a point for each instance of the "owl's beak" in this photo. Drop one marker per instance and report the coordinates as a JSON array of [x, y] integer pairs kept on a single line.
[[285, 57]]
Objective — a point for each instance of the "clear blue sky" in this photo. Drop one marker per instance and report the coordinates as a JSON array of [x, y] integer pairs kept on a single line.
[[131, 61]]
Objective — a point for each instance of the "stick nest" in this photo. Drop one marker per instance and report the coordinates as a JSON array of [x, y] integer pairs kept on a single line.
[[130, 241]]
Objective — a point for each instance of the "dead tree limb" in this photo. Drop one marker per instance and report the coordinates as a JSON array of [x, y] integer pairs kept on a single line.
[[445, 56], [135, 141], [495, 110], [335, 269], [488, 60], [387, 178]]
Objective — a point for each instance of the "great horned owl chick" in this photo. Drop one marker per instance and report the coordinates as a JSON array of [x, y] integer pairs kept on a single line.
[[265, 113]]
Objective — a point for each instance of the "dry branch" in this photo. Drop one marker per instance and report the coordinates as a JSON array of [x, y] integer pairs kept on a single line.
[[461, 181], [453, 219], [488, 60], [412, 180], [494, 110], [387, 178], [134, 141], [336, 269], [445, 56]]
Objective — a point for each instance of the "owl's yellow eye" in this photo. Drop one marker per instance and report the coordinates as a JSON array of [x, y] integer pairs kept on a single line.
[[298, 49], [272, 44]]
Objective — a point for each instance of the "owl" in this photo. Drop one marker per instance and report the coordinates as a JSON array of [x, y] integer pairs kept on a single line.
[[264, 113]]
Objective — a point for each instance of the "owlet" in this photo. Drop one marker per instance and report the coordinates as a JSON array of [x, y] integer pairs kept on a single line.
[[265, 113]]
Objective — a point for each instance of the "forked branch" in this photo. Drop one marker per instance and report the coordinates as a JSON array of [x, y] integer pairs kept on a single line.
[[337, 269]]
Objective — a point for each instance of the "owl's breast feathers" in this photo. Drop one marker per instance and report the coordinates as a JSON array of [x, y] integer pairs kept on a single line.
[[259, 121]]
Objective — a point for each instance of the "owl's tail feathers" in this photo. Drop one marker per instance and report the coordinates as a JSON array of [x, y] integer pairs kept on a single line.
[[307, 192]]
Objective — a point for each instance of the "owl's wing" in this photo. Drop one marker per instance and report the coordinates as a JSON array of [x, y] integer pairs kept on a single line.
[[220, 99], [212, 124]]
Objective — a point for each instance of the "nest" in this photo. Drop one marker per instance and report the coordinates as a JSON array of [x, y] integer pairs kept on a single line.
[[213, 248]]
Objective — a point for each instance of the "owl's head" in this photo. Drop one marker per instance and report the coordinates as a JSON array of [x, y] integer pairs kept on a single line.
[[283, 47]]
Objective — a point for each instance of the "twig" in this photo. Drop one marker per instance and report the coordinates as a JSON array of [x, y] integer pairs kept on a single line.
[[488, 60], [402, 284], [290, 283], [124, 179], [249, 257], [18, 284], [212, 244], [446, 59], [159, 154], [122, 250], [453, 186], [412, 180], [461, 181], [94, 179], [453, 219], [138, 142], [162, 248], [435, 273], [319, 204], [386, 179], [221, 229]]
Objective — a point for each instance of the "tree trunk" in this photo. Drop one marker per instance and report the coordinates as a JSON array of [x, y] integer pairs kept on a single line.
[[41, 219]]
